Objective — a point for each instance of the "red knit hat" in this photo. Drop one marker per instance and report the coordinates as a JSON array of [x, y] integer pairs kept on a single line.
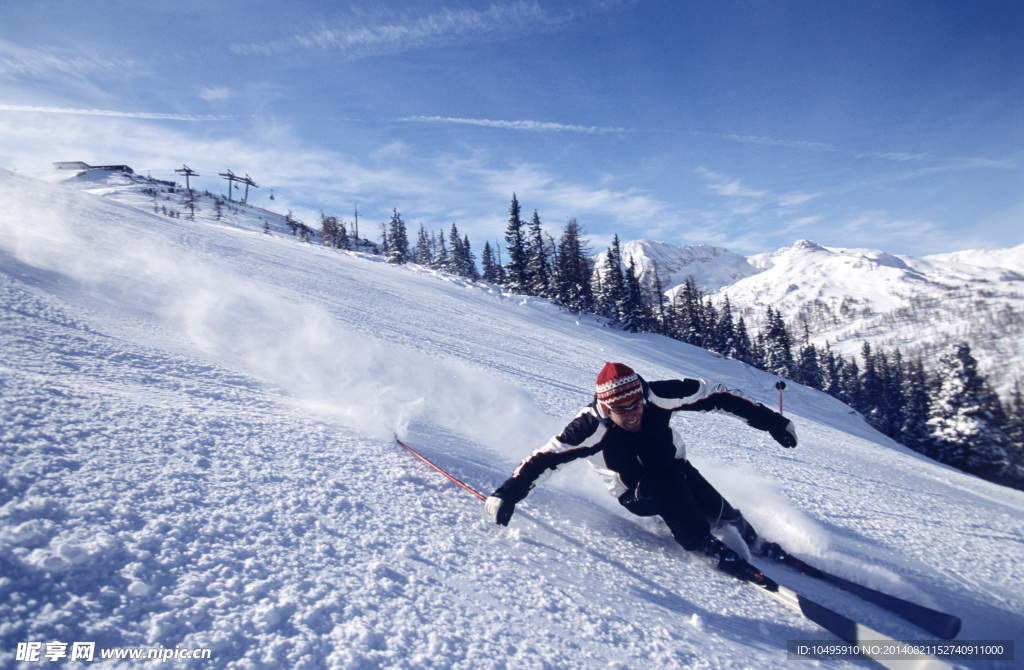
[[617, 384]]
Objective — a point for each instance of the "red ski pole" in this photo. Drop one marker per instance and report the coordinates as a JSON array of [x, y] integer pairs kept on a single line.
[[417, 455]]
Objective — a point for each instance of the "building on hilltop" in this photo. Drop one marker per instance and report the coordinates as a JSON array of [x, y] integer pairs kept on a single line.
[[83, 167]]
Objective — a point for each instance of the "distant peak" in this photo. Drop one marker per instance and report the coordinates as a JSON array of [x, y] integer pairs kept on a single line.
[[808, 245]]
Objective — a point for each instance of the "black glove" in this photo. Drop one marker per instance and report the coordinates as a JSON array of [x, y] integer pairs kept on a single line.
[[784, 432], [499, 509]]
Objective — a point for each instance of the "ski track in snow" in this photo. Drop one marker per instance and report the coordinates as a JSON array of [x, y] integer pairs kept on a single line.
[[196, 422]]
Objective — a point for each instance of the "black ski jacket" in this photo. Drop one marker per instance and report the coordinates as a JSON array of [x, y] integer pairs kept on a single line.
[[622, 457]]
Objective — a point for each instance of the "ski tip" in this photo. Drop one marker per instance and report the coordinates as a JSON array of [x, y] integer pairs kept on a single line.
[[951, 629]]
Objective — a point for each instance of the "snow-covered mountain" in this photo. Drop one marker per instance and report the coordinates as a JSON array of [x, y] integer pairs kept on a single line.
[[849, 296], [1010, 259], [196, 454], [712, 267]]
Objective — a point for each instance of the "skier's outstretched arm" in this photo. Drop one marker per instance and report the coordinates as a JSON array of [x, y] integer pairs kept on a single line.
[[580, 439], [698, 395]]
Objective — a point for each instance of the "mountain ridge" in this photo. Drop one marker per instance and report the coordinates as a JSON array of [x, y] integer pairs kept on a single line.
[[847, 296]]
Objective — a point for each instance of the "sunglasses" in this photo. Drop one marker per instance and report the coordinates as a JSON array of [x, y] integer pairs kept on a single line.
[[626, 409]]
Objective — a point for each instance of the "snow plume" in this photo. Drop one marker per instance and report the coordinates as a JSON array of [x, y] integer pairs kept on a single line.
[[767, 509], [367, 384]]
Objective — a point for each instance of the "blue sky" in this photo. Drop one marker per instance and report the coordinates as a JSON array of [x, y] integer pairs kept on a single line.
[[749, 125]]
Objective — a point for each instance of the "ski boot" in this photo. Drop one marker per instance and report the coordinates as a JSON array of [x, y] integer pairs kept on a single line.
[[773, 551], [728, 561]]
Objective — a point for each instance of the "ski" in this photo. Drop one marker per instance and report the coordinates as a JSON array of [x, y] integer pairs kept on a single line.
[[863, 640], [939, 624]]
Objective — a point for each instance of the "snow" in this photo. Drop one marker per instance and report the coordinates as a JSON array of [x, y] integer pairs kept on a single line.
[[196, 422], [1010, 259]]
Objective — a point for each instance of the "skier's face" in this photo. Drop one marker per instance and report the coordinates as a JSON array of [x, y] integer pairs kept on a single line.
[[628, 417]]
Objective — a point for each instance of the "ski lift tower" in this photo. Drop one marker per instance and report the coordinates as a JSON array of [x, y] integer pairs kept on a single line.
[[248, 182], [230, 176], [188, 172]]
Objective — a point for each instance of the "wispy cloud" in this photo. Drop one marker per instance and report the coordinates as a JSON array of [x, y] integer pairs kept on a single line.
[[19, 61], [897, 156], [822, 146], [395, 34], [158, 116], [796, 199], [729, 186], [772, 142], [533, 126], [931, 162], [803, 222], [216, 94], [879, 230], [558, 198]]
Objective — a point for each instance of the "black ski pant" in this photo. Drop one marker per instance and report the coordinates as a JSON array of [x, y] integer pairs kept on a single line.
[[685, 500]]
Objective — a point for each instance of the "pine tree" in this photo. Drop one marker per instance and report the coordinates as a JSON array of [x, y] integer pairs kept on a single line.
[[890, 405], [808, 367], [441, 258], [613, 285], [397, 239], [725, 330], [710, 322], [917, 392], [572, 270], [967, 418], [831, 367], [468, 260], [688, 313], [744, 349], [659, 305], [777, 345], [423, 255], [632, 309], [808, 363], [330, 234], [491, 267], [871, 387], [517, 279], [456, 264], [460, 259], [538, 262], [299, 229], [385, 245], [343, 240]]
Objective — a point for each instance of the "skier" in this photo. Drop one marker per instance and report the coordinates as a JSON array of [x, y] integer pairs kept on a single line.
[[625, 434]]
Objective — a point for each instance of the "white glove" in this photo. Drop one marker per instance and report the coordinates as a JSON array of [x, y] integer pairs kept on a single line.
[[499, 510]]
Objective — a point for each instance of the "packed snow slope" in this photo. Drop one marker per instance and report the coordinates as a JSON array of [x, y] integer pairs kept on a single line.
[[196, 422]]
